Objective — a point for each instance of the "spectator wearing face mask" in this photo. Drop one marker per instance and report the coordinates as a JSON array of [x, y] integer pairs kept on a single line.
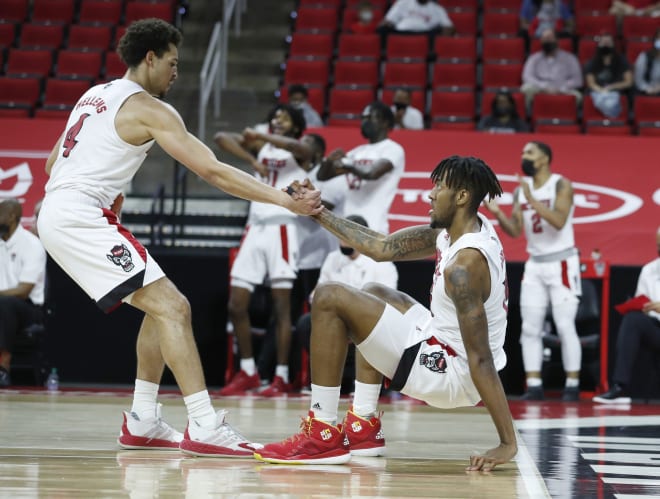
[[647, 69], [367, 21], [504, 116], [298, 99], [536, 16], [405, 115], [606, 75], [417, 16], [551, 70]]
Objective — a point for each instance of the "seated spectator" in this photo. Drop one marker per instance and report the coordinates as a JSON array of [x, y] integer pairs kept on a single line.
[[647, 69], [22, 281], [298, 99], [406, 116], [639, 329], [347, 266], [417, 16], [551, 70], [367, 21], [504, 116], [635, 8], [536, 16], [606, 76]]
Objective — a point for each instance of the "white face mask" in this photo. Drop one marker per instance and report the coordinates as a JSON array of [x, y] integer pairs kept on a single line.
[[366, 16]]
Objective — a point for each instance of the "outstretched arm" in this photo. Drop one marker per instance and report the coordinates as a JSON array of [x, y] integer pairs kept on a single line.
[[467, 281], [412, 243], [511, 226]]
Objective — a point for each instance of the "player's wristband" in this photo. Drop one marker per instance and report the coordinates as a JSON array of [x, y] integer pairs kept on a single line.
[[290, 190]]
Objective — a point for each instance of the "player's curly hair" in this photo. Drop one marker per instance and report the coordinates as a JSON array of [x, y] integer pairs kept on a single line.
[[297, 118], [145, 35], [468, 172]]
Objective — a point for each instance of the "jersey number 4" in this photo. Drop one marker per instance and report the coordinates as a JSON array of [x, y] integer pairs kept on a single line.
[[71, 134]]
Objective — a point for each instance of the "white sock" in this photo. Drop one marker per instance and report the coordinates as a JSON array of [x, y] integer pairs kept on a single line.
[[282, 372], [200, 409], [572, 382], [144, 399], [532, 382], [324, 403], [248, 366], [365, 399]]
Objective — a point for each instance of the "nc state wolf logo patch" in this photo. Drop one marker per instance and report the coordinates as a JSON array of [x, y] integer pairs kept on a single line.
[[120, 255], [435, 361]]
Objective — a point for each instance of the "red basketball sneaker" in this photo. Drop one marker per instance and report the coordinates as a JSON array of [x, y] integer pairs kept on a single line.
[[365, 436], [241, 383], [317, 443], [153, 433], [277, 388]]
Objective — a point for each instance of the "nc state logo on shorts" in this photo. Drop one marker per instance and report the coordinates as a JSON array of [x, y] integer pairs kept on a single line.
[[435, 361], [120, 255]]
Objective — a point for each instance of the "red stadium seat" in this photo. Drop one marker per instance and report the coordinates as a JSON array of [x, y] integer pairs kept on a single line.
[[487, 99], [119, 32], [311, 46], [89, 37], [586, 50], [454, 77], [7, 35], [608, 129], [635, 47], [640, 27], [454, 6], [465, 23], [358, 47], [591, 7], [554, 109], [453, 108], [592, 26], [315, 97], [53, 11], [75, 64], [348, 103], [60, 96], [564, 44], [43, 36], [592, 116], [309, 73], [455, 49], [502, 76], [502, 5], [320, 3], [24, 62], [503, 50], [407, 48], [316, 20], [380, 4], [350, 17], [113, 67], [101, 12], [13, 11], [560, 129], [501, 24], [356, 74], [18, 96], [417, 99], [400, 74], [143, 10], [647, 115]]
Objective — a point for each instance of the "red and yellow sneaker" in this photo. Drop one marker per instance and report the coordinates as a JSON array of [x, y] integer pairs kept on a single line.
[[365, 436], [317, 443]]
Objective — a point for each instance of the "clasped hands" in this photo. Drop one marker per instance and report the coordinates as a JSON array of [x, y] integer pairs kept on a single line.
[[306, 198]]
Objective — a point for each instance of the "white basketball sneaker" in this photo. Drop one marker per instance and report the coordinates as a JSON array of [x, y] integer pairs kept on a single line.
[[152, 433], [223, 441]]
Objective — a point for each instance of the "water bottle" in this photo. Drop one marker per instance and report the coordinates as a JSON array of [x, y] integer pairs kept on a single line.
[[53, 381]]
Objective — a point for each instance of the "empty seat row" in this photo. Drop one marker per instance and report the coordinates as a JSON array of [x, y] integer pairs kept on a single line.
[[19, 97], [55, 36], [72, 64]]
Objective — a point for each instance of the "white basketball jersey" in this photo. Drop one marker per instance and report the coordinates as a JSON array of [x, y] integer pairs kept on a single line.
[[93, 158], [282, 170], [543, 238], [445, 322], [372, 198]]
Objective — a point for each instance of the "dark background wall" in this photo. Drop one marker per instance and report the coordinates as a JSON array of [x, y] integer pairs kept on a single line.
[[89, 346]]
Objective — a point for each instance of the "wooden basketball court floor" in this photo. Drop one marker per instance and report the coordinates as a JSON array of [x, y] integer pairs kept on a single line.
[[63, 445]]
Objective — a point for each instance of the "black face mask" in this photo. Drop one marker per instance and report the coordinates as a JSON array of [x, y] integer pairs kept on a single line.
[[528, 167], [548, 47], [502, 111], [400, 106], [368, 129], [605, 50], [346, 251], [4, 230]]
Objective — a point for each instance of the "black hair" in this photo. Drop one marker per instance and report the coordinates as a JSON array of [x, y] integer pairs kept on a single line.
[[384, 112], [544, 148], [512, 102], [299, 123], [468, 172], [358, 219], [297, 88], [319, 144], [145, 35]]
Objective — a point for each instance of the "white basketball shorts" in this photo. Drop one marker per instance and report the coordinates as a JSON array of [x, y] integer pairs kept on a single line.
[[551, 282], [94, 249], [267, 251], [418, 363]]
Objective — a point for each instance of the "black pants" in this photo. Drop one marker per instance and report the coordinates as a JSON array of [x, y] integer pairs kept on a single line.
[[637, 330], [15, 315]]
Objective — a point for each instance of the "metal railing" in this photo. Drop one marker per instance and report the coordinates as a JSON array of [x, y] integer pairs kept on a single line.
[[213, 75]]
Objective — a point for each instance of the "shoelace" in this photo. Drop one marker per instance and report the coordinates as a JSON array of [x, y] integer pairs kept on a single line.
[[226, 428], [305, 429]]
